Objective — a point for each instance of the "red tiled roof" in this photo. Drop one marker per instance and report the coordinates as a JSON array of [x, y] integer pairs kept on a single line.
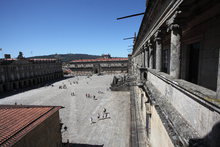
[[32, 59], [17, 121], [100, 59], [37, 59], [9, 59]]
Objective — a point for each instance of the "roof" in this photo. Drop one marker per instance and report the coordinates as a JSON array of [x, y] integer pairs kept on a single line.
[[9, 59], [17, 121], [43, 59], [32, 59], [100, 59], [12, 60]]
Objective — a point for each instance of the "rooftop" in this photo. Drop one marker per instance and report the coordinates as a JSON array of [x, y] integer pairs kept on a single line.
[[16, 121], [100, 59]]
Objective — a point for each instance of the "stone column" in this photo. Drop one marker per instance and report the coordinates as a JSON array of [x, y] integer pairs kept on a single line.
[[218, 79], [142, 50], [146, 56], [175, 45], [158, 50], [150, 47], [142, 57], [138, 60]]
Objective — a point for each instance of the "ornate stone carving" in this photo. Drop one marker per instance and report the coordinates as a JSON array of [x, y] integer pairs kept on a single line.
[[146, 47], [149, 44], [157, 36], [173, 23]]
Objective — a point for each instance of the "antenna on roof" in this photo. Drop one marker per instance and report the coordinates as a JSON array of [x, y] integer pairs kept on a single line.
[[1, 51], [130, 16], [131, 37], [128, 38]]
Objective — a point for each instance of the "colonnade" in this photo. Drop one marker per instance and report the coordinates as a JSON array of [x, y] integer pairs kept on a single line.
[[152, 49]]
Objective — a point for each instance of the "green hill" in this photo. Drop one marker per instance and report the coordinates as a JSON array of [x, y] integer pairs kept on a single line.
[[68, 57]]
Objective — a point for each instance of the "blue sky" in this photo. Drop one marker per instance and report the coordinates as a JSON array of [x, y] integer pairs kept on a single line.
[[42, 27]]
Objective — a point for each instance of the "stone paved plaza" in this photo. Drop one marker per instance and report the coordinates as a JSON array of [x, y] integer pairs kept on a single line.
[[112, 131]]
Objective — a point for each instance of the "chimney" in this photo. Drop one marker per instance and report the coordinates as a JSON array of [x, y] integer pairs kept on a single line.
[[7, 56]]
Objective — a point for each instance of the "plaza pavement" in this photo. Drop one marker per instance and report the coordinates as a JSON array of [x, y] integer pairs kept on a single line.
[[112, 132]]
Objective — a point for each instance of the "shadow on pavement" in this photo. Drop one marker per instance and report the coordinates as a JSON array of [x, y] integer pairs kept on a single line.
[[13, 92]]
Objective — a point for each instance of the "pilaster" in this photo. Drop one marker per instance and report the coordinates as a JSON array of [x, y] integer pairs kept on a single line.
[[158, 42], [146, 55], [150, 47]]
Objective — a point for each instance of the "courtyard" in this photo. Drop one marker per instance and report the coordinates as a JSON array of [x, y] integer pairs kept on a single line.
[[80, 113]]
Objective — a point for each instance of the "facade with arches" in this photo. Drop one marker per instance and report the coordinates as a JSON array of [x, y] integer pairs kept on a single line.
[[21, 73], [104, 65]]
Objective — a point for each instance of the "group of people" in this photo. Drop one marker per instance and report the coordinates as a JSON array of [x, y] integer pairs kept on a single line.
[[74, 82], [100, 92], [72, 94], [105, 115], [90, 96], [63, 87]]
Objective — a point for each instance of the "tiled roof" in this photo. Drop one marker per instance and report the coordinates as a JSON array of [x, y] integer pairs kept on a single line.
[[17, 121], [9, 59], [100, 59], [38, 59]]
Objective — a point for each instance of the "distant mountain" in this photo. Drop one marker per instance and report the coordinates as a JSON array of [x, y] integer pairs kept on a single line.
[[68, 57]]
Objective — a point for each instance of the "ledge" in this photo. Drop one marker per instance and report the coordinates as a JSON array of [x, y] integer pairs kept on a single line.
[[178, 129], [202, 95]]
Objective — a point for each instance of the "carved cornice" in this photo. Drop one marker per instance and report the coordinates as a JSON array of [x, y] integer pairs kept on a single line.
[[146, 47], [173, 18], [158, 36], [173, 23], [142, 49], [149, 44]]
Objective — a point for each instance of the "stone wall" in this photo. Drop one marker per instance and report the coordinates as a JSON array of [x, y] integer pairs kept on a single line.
[[200, 115], [47, 134], [104, 67], [151, 128], [158, 134], [23, 73]]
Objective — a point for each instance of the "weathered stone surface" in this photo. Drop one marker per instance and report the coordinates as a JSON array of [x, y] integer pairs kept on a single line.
[[158, 50], [150, 47], [175, 46]]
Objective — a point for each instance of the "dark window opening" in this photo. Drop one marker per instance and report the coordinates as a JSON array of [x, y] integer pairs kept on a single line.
[[142, 97], [193, 66], [165, 60], [145, 76], [14, 86], [148, 124]]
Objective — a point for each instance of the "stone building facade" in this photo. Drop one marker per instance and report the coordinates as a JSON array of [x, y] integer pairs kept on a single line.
[[22, 72], [104, 65], [176, 67], [30, 126]]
